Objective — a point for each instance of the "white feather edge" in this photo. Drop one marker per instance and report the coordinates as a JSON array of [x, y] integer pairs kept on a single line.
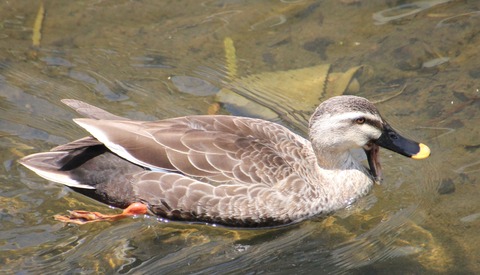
[[116, 148], [57, 177]]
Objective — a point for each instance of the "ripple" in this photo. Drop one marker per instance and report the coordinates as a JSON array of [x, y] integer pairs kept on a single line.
[[401, 11]]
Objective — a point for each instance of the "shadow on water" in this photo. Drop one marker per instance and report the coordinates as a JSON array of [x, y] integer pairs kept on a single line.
[[149, 60]]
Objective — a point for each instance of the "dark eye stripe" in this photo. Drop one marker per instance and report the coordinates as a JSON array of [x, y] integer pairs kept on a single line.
[[374, 123], [366, 120]]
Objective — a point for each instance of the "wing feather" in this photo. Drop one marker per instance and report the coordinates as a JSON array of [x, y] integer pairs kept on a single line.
[[215, 148], [199, 160]]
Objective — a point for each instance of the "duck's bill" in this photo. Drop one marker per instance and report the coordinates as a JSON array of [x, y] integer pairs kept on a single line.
[[374, 162], [393, 141]]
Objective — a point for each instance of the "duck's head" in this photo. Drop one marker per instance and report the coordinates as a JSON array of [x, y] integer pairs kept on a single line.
[[343, 123]]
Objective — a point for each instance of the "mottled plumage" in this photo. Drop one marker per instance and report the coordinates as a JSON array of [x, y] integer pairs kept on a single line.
[[228, 170]]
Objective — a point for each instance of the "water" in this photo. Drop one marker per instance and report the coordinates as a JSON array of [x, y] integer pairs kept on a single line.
[[122, 56]]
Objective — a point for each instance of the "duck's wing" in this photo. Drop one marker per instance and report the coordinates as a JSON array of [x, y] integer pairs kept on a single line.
[[217, 149], [90, 111]]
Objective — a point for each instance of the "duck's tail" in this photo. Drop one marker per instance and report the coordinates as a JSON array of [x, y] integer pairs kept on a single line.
[[91, 170], [61, 164], [47, 165]]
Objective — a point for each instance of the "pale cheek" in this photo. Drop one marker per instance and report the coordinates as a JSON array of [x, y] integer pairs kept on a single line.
[[355, 138], [370, 133]]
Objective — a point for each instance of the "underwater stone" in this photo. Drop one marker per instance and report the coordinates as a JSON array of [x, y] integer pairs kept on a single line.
[[446, 187]]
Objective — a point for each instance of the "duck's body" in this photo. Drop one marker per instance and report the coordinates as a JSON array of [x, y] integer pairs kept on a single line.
[[228, 170]]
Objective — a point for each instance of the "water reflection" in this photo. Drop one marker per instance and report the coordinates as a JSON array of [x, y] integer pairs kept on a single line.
[[122, 56]]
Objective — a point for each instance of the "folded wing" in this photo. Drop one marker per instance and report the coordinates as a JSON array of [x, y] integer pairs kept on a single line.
[[218, 149]]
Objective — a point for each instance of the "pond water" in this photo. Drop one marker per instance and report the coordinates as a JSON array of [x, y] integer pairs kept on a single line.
[[157, 59]]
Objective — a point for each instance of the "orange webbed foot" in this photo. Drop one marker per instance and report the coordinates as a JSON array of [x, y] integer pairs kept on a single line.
[[83, 217]]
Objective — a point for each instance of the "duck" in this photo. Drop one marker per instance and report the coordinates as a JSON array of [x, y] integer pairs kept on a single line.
[[221, 169]]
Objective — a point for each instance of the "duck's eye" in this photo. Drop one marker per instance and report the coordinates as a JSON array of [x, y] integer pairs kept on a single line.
[[360, 120]]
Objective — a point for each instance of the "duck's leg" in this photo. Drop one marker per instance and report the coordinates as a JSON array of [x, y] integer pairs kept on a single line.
[[83, 217]]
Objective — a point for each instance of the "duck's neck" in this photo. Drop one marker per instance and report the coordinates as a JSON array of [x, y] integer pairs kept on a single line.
[[344, 179], [333, 159]]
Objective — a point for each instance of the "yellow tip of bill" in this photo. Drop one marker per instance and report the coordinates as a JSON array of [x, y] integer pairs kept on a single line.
[[423, 153]]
